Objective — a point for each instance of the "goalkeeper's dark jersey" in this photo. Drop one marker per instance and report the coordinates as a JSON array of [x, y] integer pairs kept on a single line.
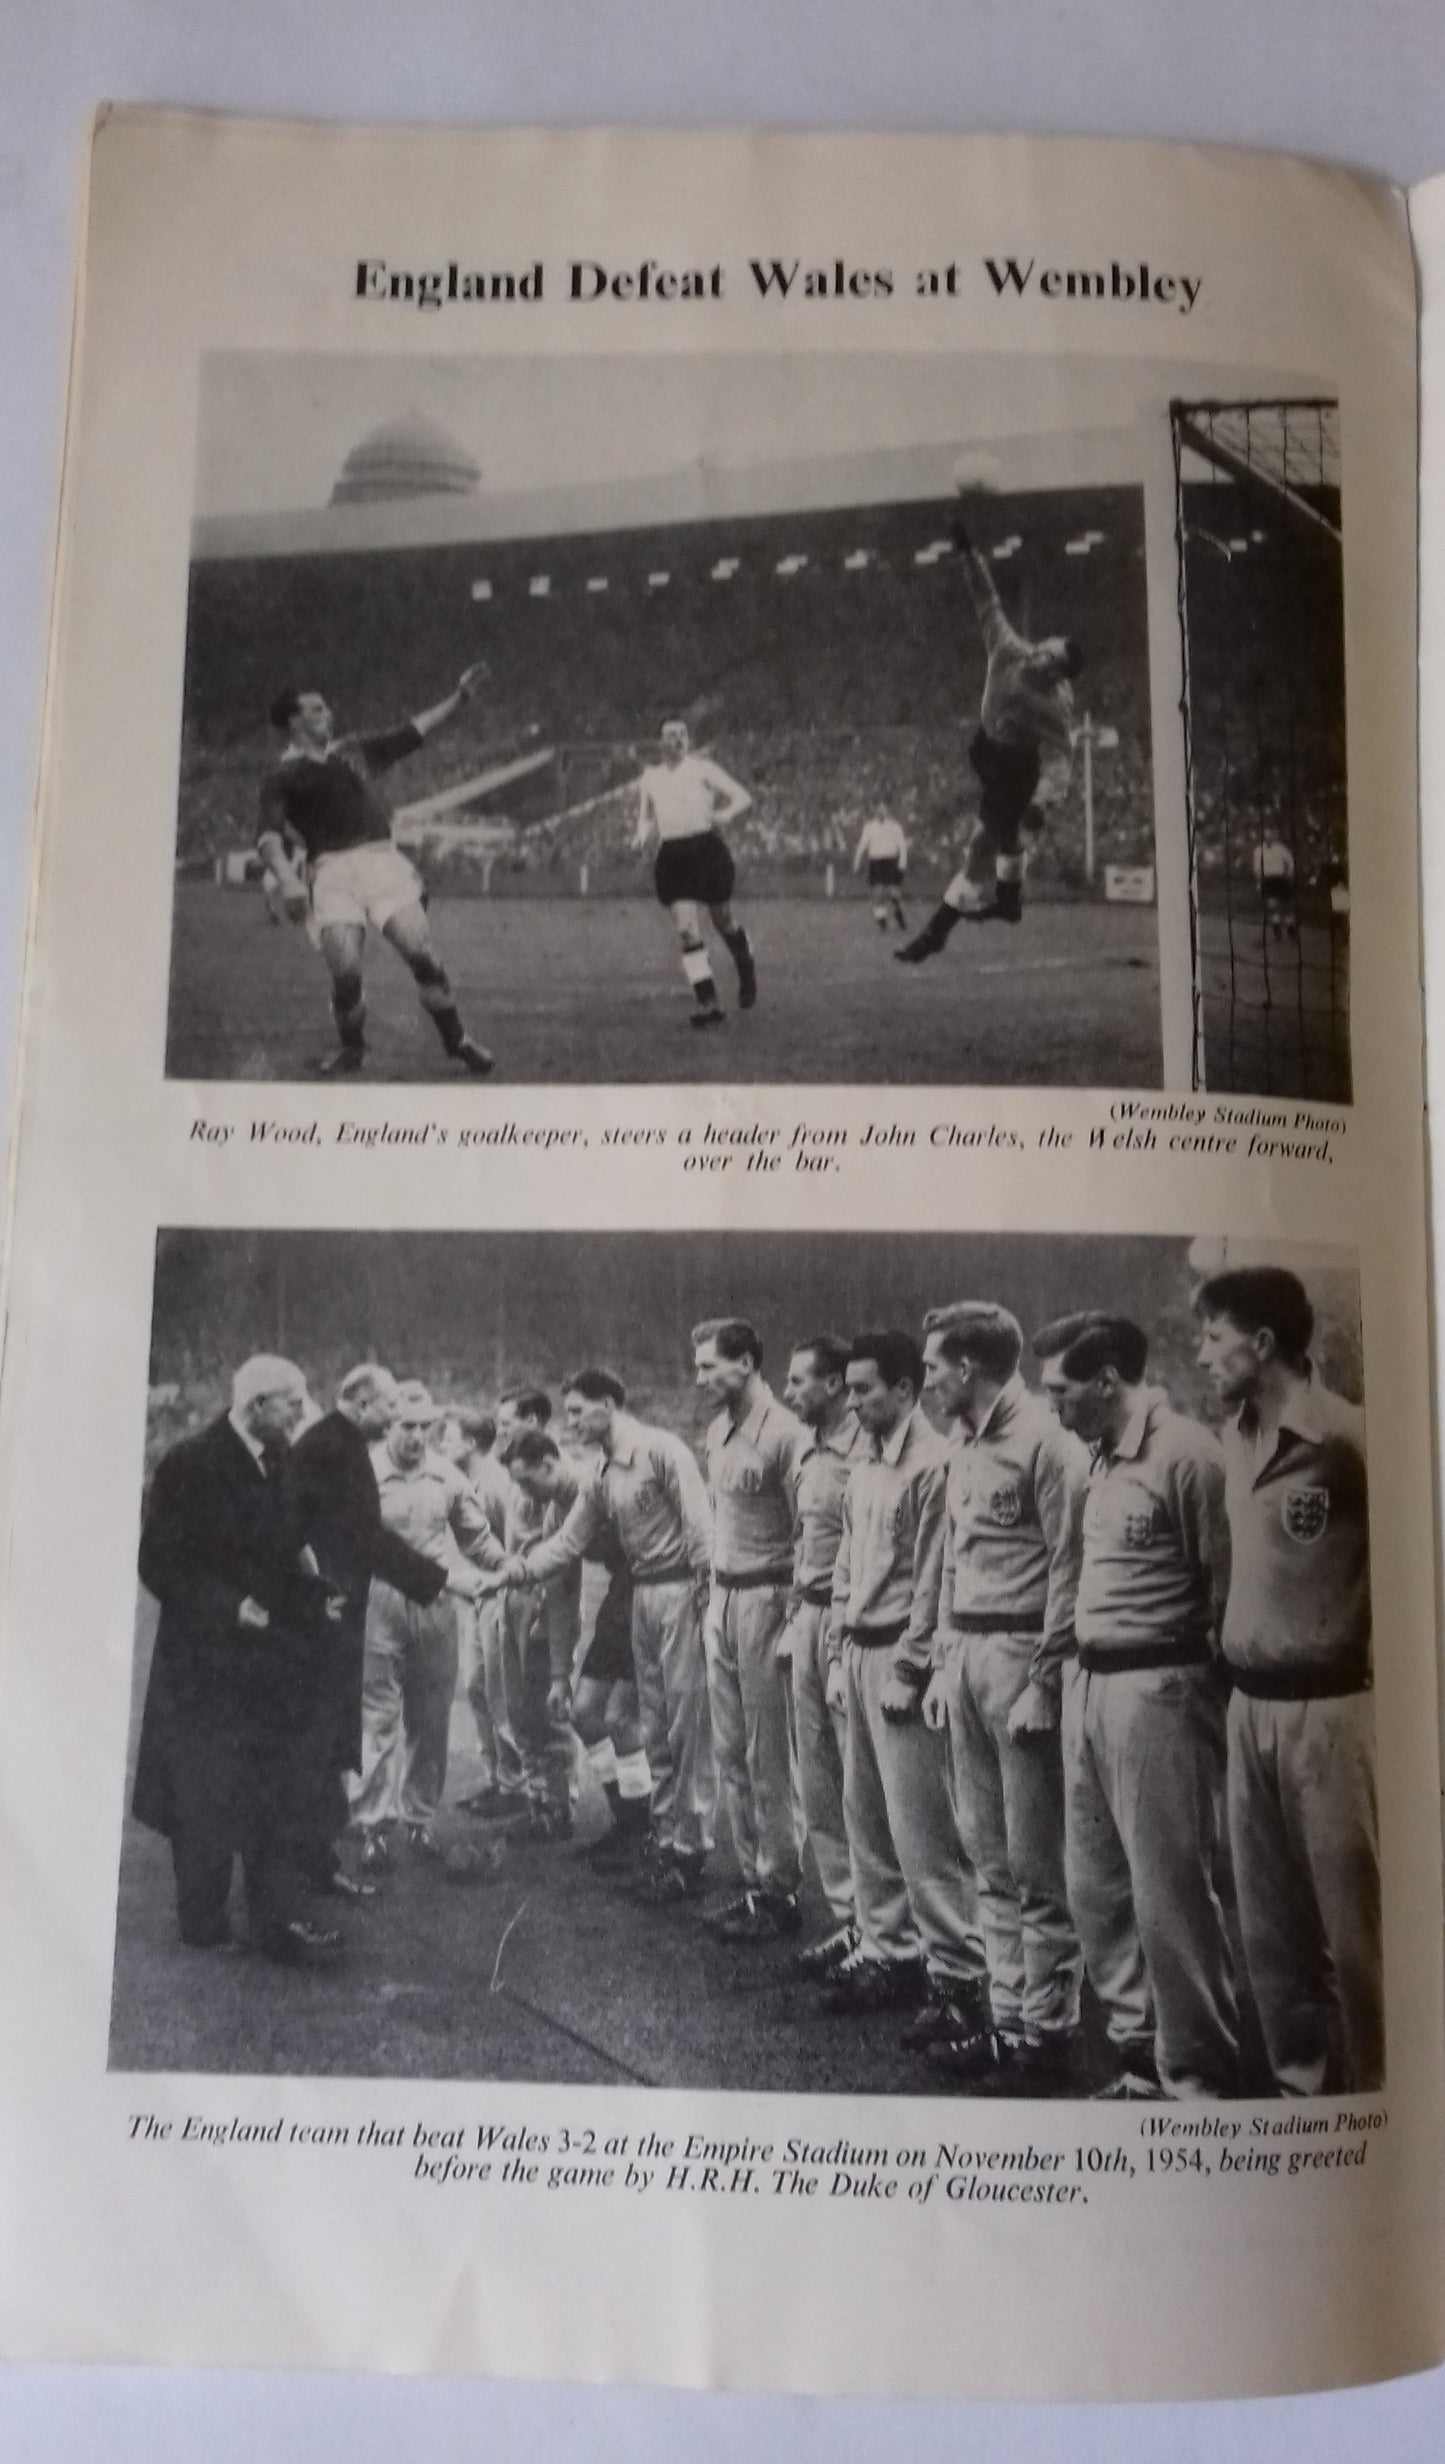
[[331, 805]]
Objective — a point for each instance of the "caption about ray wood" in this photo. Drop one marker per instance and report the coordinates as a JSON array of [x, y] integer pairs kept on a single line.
[[821, 2165], [1177, 1127]]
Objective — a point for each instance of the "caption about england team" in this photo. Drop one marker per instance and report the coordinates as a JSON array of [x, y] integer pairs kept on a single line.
[[821, 2165]]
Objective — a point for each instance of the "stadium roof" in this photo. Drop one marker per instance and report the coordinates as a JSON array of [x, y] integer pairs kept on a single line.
[[700, 491]]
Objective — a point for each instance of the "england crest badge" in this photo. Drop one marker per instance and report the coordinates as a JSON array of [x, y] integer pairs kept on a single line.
[[1305, 1513], [1006, 1506]]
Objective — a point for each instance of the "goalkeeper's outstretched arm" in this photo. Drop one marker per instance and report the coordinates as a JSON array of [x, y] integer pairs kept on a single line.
[[997, 632], [983, 591]]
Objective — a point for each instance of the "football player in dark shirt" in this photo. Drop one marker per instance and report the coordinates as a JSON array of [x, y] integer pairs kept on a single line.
[[321, 797], [1021, 754]]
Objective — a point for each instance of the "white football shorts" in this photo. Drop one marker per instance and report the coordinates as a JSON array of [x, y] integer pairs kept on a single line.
[[363, 885]]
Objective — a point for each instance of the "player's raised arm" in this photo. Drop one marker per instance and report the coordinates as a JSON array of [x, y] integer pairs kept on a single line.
[[978, 574], [861, 850], [983, 590], [427, 721]]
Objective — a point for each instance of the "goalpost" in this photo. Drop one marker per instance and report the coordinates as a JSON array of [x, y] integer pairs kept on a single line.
[[1256, 489]]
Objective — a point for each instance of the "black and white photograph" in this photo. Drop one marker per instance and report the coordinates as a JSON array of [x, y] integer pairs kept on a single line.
[[1262, 701], [811, 1662], [761, 719]]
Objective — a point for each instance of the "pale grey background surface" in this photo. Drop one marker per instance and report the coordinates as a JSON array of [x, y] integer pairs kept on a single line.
[[1362, 80]]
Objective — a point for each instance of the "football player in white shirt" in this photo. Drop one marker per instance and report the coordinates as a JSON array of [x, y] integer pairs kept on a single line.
[[1272, 865], [683, 799], [883, 847]]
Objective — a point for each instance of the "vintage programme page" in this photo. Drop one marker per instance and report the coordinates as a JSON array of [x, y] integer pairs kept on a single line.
[[718, 1548]]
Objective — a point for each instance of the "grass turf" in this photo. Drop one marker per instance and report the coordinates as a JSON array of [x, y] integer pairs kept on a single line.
[[574, 990], [546, 1974]]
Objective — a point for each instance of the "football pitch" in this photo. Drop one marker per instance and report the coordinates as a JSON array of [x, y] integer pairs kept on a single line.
[[590, 991], [543, 1973]]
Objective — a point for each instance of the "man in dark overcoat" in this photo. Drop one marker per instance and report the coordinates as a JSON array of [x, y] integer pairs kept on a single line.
[[336, 1511], [228, 1702]]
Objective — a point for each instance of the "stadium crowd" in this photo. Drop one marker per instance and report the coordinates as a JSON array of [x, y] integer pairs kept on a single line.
[[831, 691], [1018, 1675]]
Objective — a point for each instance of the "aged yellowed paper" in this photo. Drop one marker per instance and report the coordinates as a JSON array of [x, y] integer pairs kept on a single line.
[[721, 1176]]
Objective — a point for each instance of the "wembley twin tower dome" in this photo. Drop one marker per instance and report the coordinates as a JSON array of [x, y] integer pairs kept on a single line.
[[411, 456]]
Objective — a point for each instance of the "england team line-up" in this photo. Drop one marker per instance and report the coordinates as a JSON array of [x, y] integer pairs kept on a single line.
[[1017, 1691]]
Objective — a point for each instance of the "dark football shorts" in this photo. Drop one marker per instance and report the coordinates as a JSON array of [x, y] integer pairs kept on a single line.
[[884, 872], [1008, 775], [699, 867], [609, 1654]]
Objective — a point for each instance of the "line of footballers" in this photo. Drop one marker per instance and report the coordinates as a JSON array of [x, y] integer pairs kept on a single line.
[[1018, 1690]]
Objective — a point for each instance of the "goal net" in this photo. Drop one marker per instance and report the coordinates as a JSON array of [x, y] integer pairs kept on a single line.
[[1261, 618]]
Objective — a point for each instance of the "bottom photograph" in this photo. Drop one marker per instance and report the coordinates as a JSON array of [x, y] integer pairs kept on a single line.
[[815, 1663]]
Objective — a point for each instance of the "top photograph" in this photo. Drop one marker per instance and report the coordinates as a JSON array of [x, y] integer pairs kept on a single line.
[[805, 719]]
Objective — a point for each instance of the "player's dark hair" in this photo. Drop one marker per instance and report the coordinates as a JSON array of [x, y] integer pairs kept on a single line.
[[1257, 1298], [979, 1331], [1089, 1340], [828, 1353], [895, 1355], [734, 1338], [530, 1403], [284, 708], [529, 1450], [596, 1386]]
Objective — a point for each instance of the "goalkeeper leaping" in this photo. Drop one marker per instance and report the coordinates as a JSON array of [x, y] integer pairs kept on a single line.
[[1022, 752]]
